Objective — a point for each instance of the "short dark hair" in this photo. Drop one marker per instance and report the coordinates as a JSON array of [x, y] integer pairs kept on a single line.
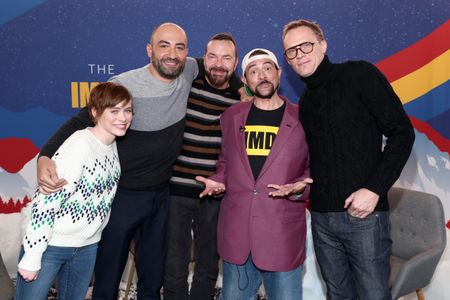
[[257, 52], [302, 22], [105, 95], [223, 36]]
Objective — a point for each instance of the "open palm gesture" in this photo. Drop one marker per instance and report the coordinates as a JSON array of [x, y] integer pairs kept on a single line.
[[211, 187]]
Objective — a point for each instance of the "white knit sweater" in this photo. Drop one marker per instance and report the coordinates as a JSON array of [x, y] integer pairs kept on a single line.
[[76, 215]]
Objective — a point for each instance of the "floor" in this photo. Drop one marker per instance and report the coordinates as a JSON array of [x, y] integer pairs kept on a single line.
[[52, 295]]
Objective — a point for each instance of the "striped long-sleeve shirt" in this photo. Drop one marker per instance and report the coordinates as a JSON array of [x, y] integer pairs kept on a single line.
[[202, 137]]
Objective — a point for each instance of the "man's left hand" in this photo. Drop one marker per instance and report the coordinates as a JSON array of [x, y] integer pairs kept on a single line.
[[361, 203], [290, 188]]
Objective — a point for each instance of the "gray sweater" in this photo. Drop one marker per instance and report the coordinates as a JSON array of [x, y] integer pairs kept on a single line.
[[153, 141]]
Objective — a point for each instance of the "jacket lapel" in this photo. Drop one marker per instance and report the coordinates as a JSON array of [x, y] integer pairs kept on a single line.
[[239, 122], [288, 123]]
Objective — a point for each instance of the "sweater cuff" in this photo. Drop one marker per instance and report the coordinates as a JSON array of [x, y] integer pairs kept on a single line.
[[295, 197], [379, 187], [31, 261], [301, 197]]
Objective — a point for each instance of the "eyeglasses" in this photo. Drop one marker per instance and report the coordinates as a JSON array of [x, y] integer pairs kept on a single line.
[[305, 48]]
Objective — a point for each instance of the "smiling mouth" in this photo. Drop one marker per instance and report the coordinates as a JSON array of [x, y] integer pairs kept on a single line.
[[171, 62], [218, 72], [171, 65], [121, 126]]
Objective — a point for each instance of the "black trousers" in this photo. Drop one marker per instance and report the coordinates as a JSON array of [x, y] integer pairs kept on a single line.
[[200, 215], [142, 215]]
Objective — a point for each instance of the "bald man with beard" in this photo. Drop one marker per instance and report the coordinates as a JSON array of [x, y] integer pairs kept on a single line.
[[140, 209]]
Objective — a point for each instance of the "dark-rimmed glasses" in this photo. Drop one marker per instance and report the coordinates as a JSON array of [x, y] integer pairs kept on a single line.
[[305, 48]]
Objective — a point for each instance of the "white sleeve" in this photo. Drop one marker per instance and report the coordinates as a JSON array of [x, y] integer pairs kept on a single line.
[[70, 159]]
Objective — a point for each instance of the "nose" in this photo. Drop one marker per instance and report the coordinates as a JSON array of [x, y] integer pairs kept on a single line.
[[219, 62], [261, 74], [172, 52], [300, 54], [122, 116]]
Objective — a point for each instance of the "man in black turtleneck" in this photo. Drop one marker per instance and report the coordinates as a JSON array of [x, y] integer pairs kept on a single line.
[[345, 110]]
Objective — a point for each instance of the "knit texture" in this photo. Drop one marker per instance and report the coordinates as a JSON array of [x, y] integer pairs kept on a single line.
[[346, 110], [76, 215], [202, 136]]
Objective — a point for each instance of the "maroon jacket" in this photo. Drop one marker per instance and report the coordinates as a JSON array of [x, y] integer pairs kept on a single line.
[[272, 229]]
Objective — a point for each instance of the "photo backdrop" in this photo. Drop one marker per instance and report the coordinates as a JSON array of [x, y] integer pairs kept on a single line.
[[52, 52]]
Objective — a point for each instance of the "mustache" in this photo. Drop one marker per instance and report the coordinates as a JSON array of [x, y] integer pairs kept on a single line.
[[222, 69], [264, 82]]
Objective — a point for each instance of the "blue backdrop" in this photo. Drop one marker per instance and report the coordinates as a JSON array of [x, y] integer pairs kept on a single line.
[[47, 45]]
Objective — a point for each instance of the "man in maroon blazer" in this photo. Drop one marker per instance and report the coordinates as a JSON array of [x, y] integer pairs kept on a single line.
[[263, 169]]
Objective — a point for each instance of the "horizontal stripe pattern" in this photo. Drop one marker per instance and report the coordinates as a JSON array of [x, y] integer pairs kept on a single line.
[[197, 161], [202, 137], [424, 79], [431, 104], [420, 76], [225, 100], [417, 55]]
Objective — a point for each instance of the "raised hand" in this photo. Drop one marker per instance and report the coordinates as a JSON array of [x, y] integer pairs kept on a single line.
[[211, 187], [289, 188]]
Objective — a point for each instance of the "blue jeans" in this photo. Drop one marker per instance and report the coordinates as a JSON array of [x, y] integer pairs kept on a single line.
[[241, 282], [353, 254], [72, 265]]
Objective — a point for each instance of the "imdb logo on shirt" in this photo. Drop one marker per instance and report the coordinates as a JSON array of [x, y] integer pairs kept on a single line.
[[259, 139]]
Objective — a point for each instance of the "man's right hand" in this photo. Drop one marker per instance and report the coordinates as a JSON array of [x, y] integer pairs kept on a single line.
[[211, 187], [47, 178]]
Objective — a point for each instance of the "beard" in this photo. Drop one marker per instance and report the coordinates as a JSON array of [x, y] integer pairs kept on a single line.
[[168, 73], [268, 94], [218, 80]]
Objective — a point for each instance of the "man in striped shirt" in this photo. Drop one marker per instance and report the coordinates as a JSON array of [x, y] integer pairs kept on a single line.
[[210, 95]]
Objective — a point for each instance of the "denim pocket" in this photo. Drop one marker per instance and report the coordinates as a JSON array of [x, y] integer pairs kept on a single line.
[[369, 221]]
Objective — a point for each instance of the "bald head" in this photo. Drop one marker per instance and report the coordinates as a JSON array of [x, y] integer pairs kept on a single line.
[[168, 28], [167, 51]]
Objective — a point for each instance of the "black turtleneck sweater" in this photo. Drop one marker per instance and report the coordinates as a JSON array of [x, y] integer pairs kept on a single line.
[[345, 111]]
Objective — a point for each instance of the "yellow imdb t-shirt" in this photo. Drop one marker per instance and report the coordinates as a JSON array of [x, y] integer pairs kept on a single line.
[[261, 130], [259, 139]]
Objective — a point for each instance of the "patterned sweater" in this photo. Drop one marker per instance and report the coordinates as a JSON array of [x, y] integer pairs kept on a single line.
[[76, 215]]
